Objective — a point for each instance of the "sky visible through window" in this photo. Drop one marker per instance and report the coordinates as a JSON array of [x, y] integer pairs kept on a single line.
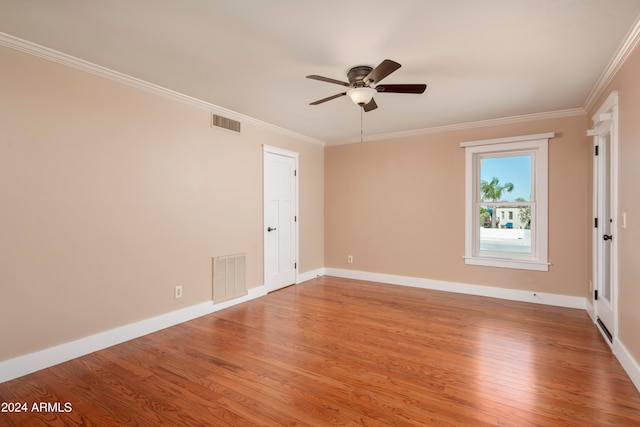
[[513, 169]]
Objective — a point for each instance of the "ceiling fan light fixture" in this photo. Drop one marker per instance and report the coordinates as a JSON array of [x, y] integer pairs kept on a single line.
[[361, 95]]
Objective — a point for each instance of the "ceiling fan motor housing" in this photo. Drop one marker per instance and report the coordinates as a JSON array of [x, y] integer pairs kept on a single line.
[[357, 74]]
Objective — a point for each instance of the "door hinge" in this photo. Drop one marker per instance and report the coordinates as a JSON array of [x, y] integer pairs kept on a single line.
[[595, 294], [597, 151], [295, 172], [595, 222], [295, 265], [295, 218]]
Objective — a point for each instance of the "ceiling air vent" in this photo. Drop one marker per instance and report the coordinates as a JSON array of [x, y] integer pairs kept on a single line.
[[225, 123]]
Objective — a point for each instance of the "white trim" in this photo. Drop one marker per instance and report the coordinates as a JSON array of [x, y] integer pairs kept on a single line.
[[624, 50], [280, 151], [464, 288], [606, 109], [310, 275], [507, 263], [629, 364], [507, 140], [98, 70], [591, 310], [606, 118], [252, 294], [32, 362], [614, 213], [469, 125]]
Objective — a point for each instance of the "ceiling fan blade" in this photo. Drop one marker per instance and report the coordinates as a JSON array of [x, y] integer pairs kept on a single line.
[[371, 105], [385, 68], [328, 80], [402, 88], [320, 101]]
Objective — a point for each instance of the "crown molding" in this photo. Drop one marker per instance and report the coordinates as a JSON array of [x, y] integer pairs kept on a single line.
[[98, 70], [469, 125], [624, 50], [618, 59]]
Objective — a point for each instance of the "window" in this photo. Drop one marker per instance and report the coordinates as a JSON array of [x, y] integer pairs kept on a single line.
[[506, 202]]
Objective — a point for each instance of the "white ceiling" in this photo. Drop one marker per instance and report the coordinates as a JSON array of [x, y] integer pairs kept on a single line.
[[481, 60]]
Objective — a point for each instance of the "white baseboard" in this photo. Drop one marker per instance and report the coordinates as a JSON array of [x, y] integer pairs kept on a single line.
[[464, 288], [629, 364], [29, 363], [308, 275]]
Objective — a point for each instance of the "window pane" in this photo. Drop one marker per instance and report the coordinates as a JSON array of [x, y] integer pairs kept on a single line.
[[505, 179], [513, 235], [506, 202]]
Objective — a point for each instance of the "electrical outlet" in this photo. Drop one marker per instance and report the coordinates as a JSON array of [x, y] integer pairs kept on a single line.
[[178, 292], [350, 259]]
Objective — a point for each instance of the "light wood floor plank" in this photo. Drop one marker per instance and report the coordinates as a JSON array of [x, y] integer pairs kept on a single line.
[[344, 352]]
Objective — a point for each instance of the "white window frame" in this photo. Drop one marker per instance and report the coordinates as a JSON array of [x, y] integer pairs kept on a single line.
[[537, 146]]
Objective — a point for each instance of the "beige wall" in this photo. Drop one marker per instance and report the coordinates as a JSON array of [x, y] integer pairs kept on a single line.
[[111, 196], [397, 206], [627, 83]]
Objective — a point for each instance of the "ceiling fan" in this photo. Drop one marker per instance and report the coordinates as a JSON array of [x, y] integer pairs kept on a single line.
[[364, 84]]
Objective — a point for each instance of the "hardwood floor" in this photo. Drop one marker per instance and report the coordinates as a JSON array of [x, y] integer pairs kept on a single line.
[[343, 352]]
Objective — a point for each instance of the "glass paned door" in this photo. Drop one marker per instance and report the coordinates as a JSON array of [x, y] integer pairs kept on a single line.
[[605, 232]]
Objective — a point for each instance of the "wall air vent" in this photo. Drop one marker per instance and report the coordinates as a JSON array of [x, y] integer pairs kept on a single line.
[[229, 273], [225, 123]]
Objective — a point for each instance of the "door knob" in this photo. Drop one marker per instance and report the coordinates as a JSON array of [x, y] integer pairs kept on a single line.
[[607, 237], [271, 229]]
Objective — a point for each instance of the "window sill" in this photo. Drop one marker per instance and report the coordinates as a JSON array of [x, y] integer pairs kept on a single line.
[[508, 263]]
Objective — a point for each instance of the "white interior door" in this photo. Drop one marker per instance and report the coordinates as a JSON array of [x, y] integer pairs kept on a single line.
[[280, 218], [605, 207], [605, 236]]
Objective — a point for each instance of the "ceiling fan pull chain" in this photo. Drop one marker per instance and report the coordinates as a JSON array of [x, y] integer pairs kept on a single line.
[[361, 113]]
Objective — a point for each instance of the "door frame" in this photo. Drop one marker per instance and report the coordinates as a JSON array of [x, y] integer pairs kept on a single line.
[[294, 155], [606, 115]]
